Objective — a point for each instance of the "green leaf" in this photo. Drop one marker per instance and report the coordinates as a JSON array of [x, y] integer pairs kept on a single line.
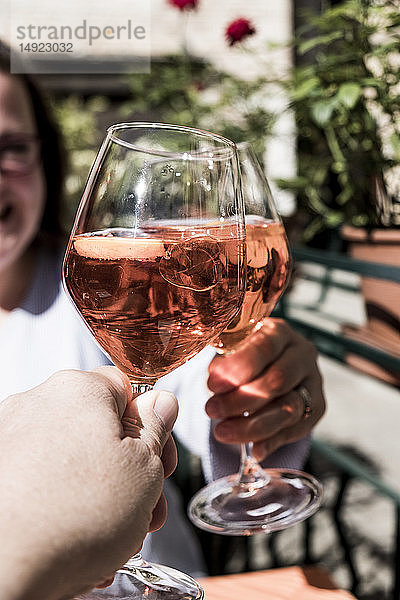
[[322, 111], [349, 94], [293, 184], [305, 87], [320, 40], [334, 219], [311, 230]]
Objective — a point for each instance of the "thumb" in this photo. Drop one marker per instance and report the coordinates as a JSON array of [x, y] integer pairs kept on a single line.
[[153, 415], [118, 384]]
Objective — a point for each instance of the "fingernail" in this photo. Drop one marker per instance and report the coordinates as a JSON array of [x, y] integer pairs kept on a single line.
[[166, 408]]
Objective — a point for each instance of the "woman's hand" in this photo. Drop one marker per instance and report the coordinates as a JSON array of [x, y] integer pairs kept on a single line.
[[81, 482], [274, 378]]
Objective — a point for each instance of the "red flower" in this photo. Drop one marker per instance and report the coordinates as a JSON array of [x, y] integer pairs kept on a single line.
[[239, 30], [184, 4]]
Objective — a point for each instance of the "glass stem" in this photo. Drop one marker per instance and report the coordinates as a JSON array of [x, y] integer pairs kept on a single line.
[[136, 561], [250, 471]]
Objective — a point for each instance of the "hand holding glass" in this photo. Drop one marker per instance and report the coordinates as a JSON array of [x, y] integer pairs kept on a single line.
[[256, 500]]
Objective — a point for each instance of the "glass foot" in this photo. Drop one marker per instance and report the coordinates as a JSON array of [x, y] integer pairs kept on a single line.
[[148, 581], [284, 498]]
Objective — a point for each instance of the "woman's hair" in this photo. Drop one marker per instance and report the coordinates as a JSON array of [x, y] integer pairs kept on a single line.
[[52, 150]]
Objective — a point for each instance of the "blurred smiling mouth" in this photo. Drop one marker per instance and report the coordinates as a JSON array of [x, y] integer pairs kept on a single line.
[[5, 212]]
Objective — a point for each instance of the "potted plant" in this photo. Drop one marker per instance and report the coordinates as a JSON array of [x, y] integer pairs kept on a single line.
[[345, 92]]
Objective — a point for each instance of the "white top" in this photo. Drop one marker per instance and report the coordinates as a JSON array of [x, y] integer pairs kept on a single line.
[[46, 334]]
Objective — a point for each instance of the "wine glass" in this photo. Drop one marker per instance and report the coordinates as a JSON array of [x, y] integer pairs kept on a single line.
[[256, 500], [155, 265]]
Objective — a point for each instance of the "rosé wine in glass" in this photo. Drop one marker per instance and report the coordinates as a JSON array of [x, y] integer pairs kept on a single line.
[[268, 270], [155, 300]]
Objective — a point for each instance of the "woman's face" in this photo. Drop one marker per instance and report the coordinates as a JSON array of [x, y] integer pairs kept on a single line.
[[22, 191]]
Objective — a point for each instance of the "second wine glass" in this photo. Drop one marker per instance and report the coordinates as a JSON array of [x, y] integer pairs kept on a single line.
[[255, 499]]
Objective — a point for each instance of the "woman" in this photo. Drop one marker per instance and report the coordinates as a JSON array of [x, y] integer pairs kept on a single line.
[[41, 333]]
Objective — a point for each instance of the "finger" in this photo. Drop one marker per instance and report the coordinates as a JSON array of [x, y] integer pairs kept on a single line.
[[119, 385], [279, 414], [301, 426], [234, 404], [261, 349], [157, 411], [284, 413], [285, 436], [314, 386], [169, 457], [159, 514], [275, 381]]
